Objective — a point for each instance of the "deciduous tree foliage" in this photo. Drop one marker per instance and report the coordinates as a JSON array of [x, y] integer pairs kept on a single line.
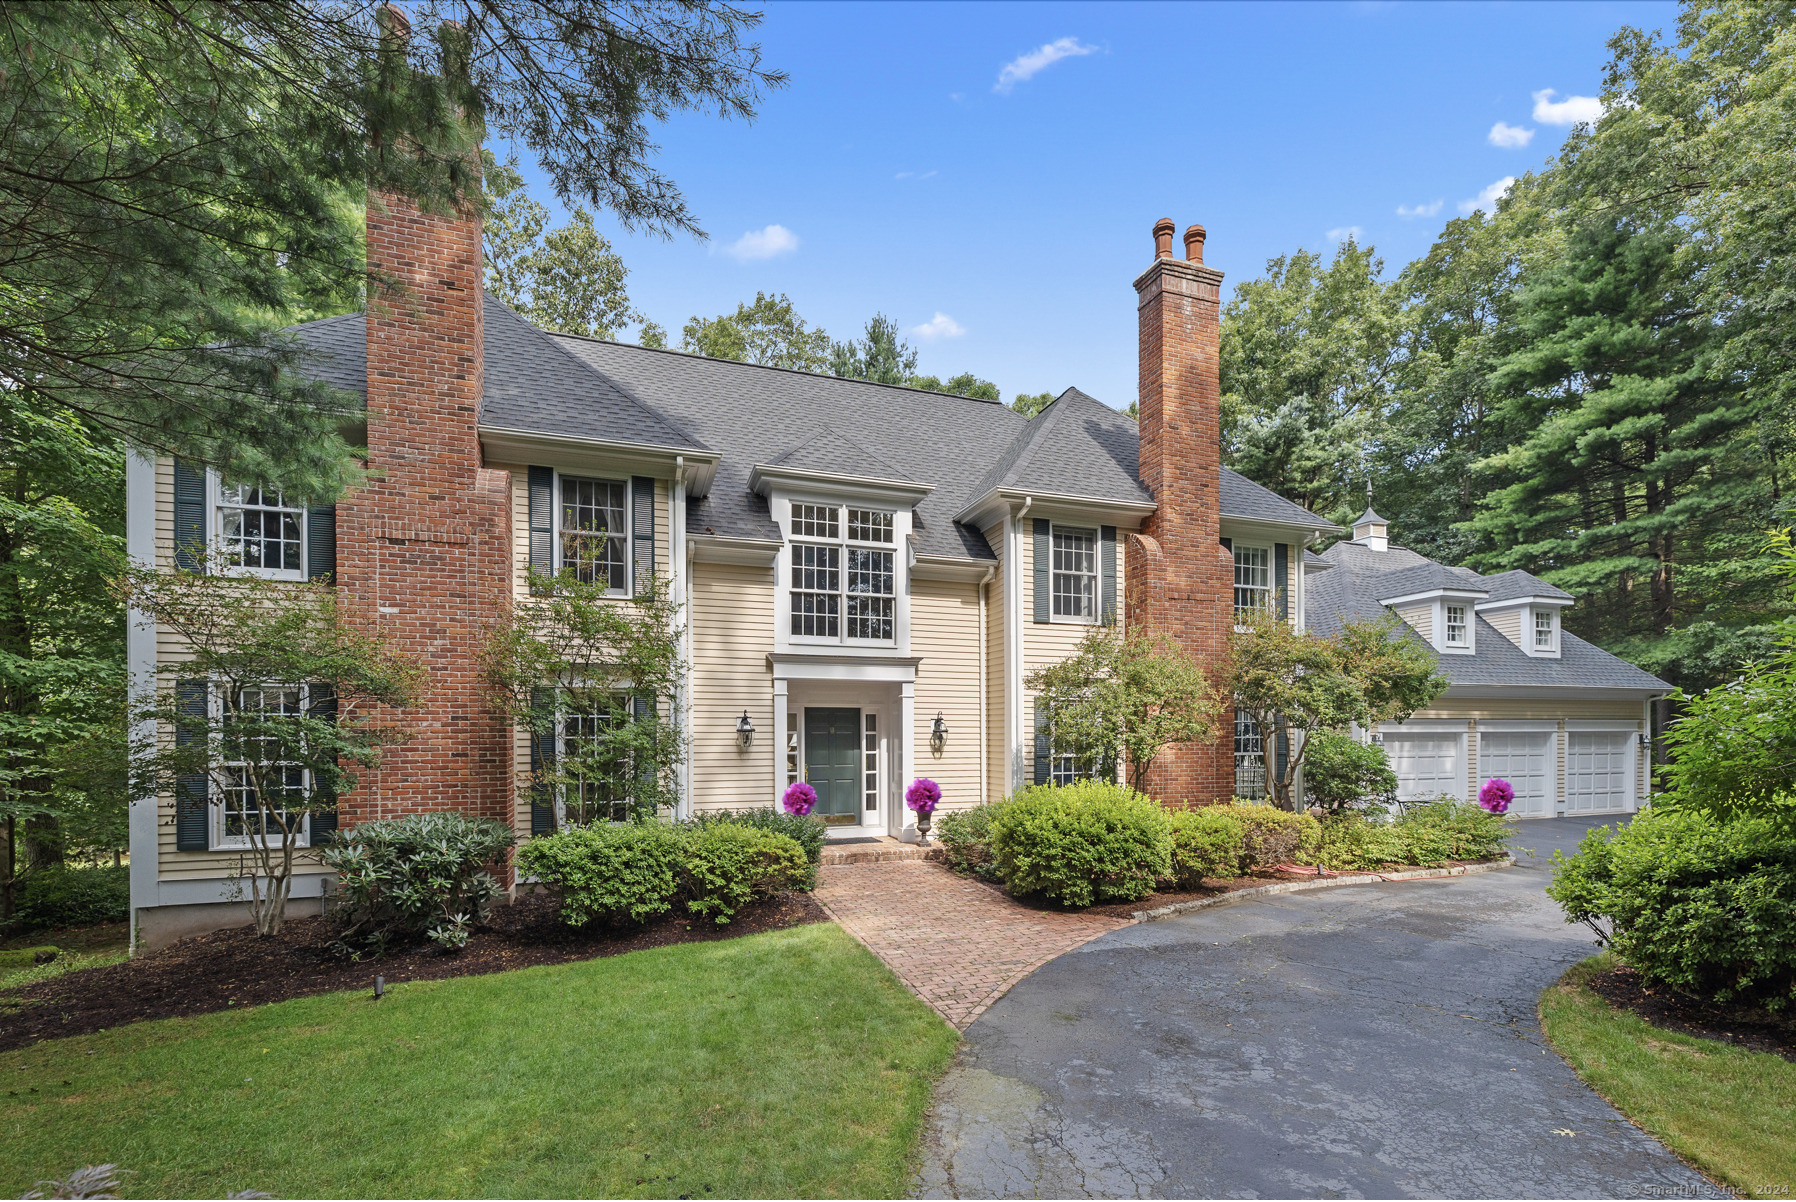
[[769, 332]]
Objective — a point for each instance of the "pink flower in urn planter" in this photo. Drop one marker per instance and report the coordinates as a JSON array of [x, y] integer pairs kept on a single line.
[[923, 795], [799, 798], [1496, 795]]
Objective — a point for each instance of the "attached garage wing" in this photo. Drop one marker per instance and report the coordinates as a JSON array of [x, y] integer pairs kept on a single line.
[[1599, 770], [1427, 764]]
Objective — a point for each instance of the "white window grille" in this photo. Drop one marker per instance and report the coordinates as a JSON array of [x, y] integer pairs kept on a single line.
[[261, 531], [870, 763], [1075, 573], [835, 578], [1250, 758], [254, 790], [791, 748], [1543, 631], [595, 532], [1253, 579], [596, 794], [1456, 631]]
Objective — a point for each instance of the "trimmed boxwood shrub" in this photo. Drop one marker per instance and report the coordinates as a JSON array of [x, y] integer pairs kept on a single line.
[[806, 830], [1080, 843], [726, 865], [1704, 906], [1205, 843], [72, 897], [424, 874], [966, 839], [626, 873], [1272, 836]]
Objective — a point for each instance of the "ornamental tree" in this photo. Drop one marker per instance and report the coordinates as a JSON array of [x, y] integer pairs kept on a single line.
[[1293, 684], [592, 678], [283, 695], [1120, 698]]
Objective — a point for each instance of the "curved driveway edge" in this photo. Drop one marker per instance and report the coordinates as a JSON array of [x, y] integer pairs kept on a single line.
[[1354, 1042]]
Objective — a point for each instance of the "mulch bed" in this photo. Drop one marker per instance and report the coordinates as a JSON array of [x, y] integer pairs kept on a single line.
[[1742, 1026], [226, 969]]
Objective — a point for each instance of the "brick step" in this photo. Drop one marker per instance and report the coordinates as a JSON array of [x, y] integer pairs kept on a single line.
[[876, 853]]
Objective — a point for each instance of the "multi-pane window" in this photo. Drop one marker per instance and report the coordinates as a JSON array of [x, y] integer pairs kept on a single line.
[[870, 762], [1543, 631], [255, 787], [595, 534], [1253, 579], [791, 748], [1456, 632], [260, 529], [1250, 758], [1075, 573], [593, 792], [843, 586]]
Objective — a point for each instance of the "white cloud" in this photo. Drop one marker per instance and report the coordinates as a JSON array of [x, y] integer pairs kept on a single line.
[[1569, 111], [1427, 210], [915, 175], [1487, 199], [763, 244], [939, 326], [1345, 233], [1027, 66], [1510, 137]]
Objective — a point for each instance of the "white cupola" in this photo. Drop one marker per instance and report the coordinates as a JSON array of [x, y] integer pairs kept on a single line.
[[1372, 531]]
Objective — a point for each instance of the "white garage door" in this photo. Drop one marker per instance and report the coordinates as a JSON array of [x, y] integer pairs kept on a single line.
[[1596, 771], [1426, 765], [1526, 761]]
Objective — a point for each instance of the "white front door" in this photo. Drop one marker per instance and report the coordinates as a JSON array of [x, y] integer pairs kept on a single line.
[[1427, 764], [1526, 761], [1597, 768]]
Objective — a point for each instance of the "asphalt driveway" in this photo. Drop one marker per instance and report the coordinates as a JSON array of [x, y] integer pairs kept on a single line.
[[1369, 1041]]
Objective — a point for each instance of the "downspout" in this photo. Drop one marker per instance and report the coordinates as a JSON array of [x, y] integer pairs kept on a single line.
[[1013, 638], [984, 697], [680, 569]]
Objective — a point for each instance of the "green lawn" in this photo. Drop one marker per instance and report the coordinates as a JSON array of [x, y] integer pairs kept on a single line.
[[790, 1063], [1726, 1110]]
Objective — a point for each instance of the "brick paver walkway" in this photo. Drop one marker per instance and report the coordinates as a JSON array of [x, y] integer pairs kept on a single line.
[[957, 944]]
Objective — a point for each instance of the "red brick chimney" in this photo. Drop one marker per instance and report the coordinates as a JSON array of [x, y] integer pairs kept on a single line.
[[1181, 579], [423, 548]]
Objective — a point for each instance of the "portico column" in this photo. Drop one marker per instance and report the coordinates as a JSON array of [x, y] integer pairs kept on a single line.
[[778, 735], [907, 761]]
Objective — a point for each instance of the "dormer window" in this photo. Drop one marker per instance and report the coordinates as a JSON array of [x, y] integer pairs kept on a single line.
[[1456, 628], [843, 586], [1543, 630]]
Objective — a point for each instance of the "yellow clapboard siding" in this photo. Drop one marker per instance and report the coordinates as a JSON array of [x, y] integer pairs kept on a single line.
[[732, 636], [944, 634]]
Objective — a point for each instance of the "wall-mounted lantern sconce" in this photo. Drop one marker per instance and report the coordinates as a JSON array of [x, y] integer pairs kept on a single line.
[[745, 731], [938, 731], [1645, 741]]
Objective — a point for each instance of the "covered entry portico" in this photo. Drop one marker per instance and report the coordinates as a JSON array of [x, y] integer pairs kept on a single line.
[[842, 723]]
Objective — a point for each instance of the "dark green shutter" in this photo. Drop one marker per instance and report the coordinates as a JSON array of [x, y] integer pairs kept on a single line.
[[542, 759], [1281, 579], [192, 809], [1044, 746], [1284, 751], [639, 711], [642, 528], [1044, 551], [1107, 565], [324, 821], [190, 516], [542, 521], [321, 543]]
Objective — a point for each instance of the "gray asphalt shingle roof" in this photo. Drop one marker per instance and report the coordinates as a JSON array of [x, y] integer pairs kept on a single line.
[[1426, 576], [1506, 586], [1361, 575], [1054, 453], [1242, 498]]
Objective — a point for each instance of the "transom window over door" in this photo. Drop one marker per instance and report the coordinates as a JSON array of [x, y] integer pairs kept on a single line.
[[1253, 579], [594, 532], [1075, 572], [844, 581], [260, 530]]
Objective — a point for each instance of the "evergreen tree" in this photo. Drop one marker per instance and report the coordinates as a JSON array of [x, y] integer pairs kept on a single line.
[[880, 355]]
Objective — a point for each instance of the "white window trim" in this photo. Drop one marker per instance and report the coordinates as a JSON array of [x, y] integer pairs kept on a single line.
[[559, 803], [216, 839], [1464, 623], [215, 507], [1097, 575], [1470, 646], [629, 589], [897, 548], [1236, 546]]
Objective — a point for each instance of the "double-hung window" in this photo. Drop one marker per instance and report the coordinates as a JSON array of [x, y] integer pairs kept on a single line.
[[1253, 579], [594, 532], [261, 531], [844, 573], [1543, 630], [254, 786], [594, 789], [1075, 573], [1456, 628]]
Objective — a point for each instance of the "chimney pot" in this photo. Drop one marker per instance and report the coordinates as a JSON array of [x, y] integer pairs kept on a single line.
[[394, 22], [1163, 238], [1194, 244]]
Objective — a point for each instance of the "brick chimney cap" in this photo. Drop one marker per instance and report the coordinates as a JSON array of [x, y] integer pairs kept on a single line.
[[1194, 243], [1163, 229], [398, 22]]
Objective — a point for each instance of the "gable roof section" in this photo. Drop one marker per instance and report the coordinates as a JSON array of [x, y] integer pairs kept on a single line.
[[834, 452], [1351, 592], [1076, 447], [1242, 498], [1507, 586], [1425, 577], [336, 351]]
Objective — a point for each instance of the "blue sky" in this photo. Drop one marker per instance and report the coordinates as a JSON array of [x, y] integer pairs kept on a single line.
[[988, 174]]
